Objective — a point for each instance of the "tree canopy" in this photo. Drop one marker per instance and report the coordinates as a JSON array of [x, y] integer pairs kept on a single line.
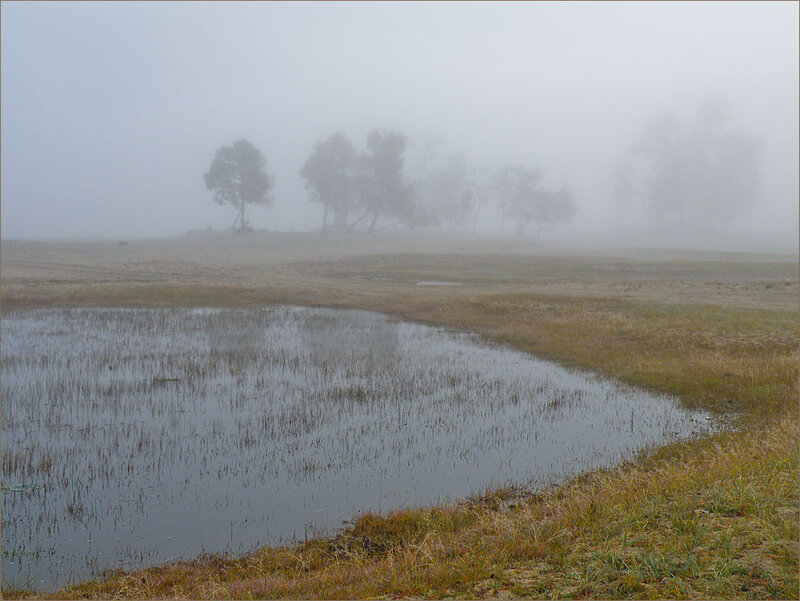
[[521, 197], [703, 173], [238, 177], [385, 190], [443, 189], [330, 175]]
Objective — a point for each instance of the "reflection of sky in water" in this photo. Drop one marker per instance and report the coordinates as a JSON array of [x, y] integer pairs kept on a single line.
[[158, 434]]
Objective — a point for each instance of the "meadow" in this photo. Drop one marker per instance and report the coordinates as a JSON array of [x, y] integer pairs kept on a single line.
[[714, 517]]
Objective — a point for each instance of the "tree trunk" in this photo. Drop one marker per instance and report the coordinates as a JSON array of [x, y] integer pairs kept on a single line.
[[241, 215], [340, 219], [325, 218], [372, 223], [357, 221], [388, 225]]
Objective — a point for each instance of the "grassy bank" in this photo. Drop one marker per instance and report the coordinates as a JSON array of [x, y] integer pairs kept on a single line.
[[714, 518]]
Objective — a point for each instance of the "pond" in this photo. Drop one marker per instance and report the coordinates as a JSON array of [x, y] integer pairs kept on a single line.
[[138, 436]]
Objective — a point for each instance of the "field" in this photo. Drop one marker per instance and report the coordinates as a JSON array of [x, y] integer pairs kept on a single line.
[[715, 518]]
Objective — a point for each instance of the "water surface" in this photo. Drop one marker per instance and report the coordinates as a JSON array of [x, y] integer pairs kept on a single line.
[[133, 437]]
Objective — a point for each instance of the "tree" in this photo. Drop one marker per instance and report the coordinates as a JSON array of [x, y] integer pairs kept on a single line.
[[702, 174], [443, 192], [503, 185], [330, 176], [238, 176], [481, 184], [516, 188], [551, 207], [724, 165], [521, 197], [668, 188], [451, 192], [524, 197], [382, 186]]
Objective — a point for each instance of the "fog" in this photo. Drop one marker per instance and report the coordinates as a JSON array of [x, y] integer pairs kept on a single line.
[[112, 113]]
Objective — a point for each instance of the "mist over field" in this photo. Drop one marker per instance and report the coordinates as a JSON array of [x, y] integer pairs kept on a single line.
[[630, 123], [333, 300]]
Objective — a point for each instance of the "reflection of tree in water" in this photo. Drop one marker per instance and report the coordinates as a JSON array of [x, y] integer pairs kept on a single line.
[[231, 333], [361, 342]]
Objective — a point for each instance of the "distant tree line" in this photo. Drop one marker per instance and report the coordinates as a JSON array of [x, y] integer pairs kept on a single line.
[[373, 187], [700, 174], [360, 187]]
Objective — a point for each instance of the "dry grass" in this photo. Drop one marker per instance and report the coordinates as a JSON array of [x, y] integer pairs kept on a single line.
[[716, 518]]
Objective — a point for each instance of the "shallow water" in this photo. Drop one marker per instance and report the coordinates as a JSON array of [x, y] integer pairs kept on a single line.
[[134, 437]]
